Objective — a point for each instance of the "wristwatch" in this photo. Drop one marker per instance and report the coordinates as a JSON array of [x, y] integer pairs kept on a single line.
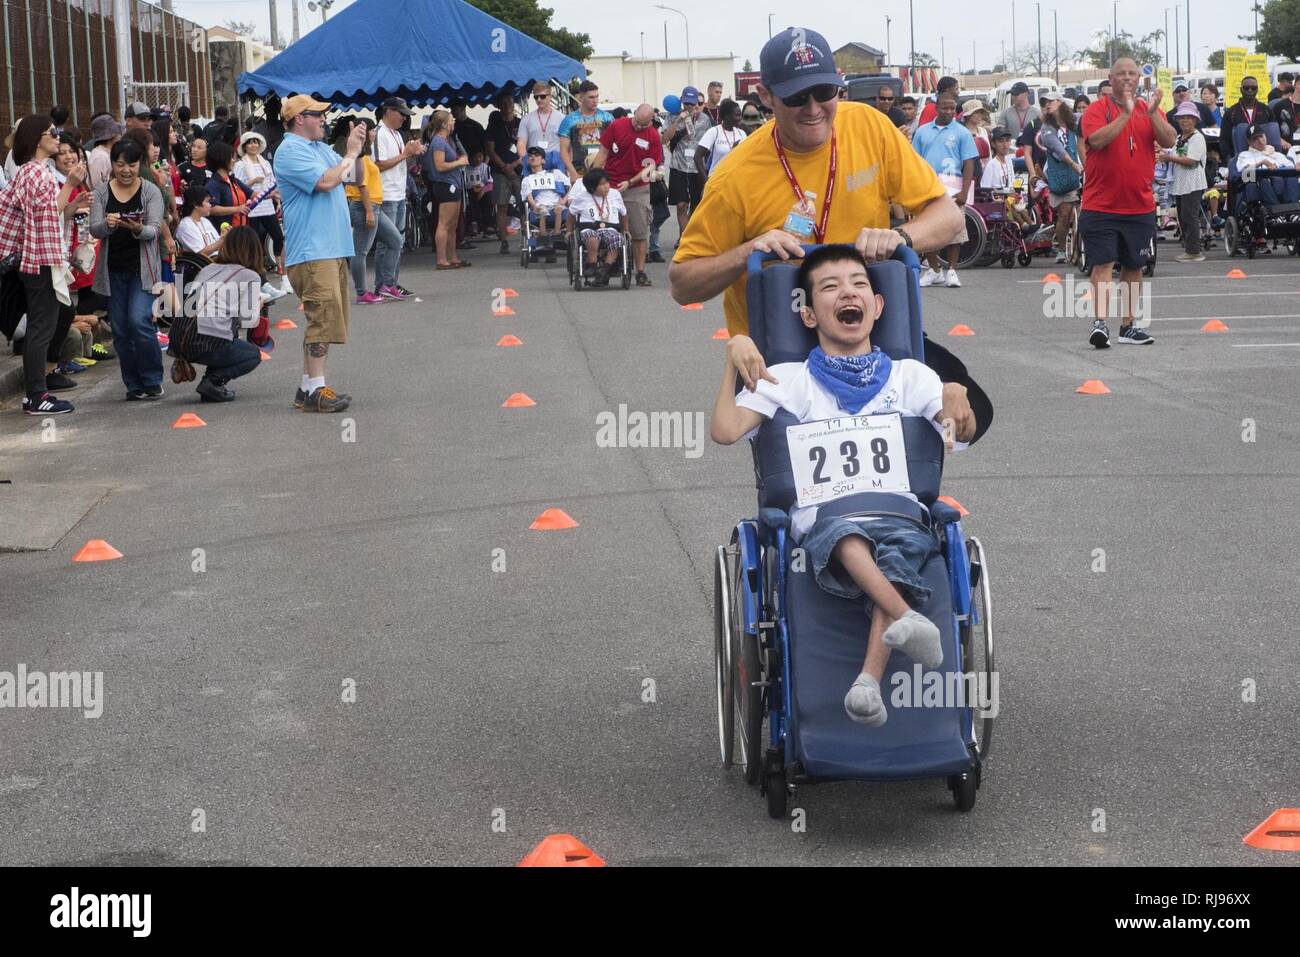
[[906, 238]]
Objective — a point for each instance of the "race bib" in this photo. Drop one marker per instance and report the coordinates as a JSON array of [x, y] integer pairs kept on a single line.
[[838, 457], [544, 144], [543, 181], [643, 143]]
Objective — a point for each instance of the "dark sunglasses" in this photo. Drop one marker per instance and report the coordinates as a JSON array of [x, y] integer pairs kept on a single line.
[[822, 93], [884, 99], [541, 96], [1250, 89], [311, 113]]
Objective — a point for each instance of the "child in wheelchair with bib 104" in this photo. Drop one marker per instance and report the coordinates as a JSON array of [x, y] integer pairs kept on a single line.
[[879, 556]]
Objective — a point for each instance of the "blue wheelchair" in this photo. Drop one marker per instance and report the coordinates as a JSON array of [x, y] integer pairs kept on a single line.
[[785, 651], [1259, 215]]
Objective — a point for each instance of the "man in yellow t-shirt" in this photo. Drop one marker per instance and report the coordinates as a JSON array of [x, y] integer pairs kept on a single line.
[[746, 201]]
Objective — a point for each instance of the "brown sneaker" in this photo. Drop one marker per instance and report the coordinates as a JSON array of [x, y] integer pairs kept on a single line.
[[325, 399]]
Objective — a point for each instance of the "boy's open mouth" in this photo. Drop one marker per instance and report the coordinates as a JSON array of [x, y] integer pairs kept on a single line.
[[849, 315]]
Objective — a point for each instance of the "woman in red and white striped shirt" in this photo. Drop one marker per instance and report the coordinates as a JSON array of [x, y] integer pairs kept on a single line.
[[31, 225]]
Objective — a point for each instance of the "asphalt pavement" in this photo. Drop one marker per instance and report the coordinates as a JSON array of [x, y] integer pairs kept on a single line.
[[511, 683]]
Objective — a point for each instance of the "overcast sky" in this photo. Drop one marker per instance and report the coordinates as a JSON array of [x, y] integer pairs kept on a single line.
[[722, 28]]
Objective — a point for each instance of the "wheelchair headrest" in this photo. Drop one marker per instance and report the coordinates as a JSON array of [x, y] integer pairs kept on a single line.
[[775, 475], [1271, 131], [781, 336]]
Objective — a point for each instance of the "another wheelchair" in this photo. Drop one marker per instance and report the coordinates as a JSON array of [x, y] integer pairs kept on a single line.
[[785, 651], [576, 259], [1255, 225], [532, 245]]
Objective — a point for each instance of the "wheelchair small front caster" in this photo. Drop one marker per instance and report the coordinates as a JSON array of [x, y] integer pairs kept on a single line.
[[963, 787], [1024, 259], [775, 786]]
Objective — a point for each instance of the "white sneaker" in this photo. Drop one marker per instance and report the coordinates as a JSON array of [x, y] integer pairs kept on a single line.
[[272, 292], [284, 284], [952, 282], [929, 277]]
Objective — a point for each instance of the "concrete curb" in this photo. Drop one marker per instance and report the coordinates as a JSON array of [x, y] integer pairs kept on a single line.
[[11, 377]]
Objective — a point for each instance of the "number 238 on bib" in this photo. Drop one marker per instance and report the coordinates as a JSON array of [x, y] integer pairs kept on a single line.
[[845, 456]]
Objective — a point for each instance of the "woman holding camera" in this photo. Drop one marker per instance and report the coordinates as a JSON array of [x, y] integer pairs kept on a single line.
[[126, 214]]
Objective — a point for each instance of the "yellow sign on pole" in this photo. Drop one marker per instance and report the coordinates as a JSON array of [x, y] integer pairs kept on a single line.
[[1234, 69], [1257, 66], [1165, 81]]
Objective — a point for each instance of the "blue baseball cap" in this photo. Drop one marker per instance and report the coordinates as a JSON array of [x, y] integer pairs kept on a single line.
[[796, 59], [692, 95]]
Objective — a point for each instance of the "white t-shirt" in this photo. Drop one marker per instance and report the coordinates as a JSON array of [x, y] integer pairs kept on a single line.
[[1190, 179], [998, 173], [249, 169], [591, 209], [388, 144], [545, 187], [196, 236], [719, 142], [913, 388], [1257, 158]]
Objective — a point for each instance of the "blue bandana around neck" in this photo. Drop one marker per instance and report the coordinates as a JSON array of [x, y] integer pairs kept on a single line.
[[853, 380]]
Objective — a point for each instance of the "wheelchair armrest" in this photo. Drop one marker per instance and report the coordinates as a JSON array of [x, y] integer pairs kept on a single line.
[[773, 518], [941, 513]]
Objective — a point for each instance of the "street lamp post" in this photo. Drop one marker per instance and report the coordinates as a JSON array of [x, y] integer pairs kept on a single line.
[[1114, 32], [690, 66], [1167, 36], [1056, 47], [889, 57], [1178, 50], [769, 25], [643, 66], [911, 64], [1039, 7]]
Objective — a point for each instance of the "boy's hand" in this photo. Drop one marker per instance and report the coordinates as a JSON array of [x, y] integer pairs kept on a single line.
[[956, 407], [744, 357]]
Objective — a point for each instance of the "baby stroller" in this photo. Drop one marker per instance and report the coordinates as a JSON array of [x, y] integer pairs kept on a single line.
[[785, 650]]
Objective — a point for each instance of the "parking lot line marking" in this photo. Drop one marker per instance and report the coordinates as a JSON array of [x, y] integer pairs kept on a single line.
[[1214, 295], [1284, 315], [1266, 345], [1180, 278]]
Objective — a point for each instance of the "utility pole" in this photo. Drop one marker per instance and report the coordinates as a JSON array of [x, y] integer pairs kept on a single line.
[[1056, 47], [1013, 30], [275, 30], [911, 64], [1178, 52], [974, 64], [889, 56], [1189, 30], [295, 20], [1039, 7], [1167, 36], [943, 56], [665, 39]]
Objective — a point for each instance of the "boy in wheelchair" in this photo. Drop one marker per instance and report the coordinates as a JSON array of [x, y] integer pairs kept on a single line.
[[879, 556], [600, 217], [543, 191], [1260, 156]]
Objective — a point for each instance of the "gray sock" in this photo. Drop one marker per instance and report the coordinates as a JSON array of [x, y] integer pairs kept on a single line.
[[917, 637], [863, 702]]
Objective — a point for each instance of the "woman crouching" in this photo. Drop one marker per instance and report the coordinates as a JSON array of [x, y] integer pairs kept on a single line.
[[222, 298]]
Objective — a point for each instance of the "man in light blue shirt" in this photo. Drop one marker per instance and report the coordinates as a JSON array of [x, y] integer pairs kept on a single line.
[[317, 238], [950, 150]]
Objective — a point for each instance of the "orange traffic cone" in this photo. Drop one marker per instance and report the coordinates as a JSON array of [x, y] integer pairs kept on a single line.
[[1281, 832], [961, 330], [503, 311], [1214, 325], [552, 520], [188, 420], [510, 341], [1093, 387], [562, 850], [1051, 277], [693, 305], [96, 550], [722, 334], [286, 324], [518, 400], [1236, 274], [509, 293], [949, 500]]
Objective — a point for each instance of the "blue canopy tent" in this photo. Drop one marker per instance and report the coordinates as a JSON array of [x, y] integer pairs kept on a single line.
[[427, 51]]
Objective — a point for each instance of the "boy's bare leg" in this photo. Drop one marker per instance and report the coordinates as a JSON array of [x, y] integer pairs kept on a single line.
[[591, 250]]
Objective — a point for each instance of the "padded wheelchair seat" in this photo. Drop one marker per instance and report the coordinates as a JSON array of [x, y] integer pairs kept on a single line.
[[827, 644]]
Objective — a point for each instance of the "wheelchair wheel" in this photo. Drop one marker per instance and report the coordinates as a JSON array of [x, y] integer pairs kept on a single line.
[[627, 262], [972, 250], [723, 583], [747, 693], [1024, 258], [523, 255], [963, 787], [1231, 235], [1008, 260], [976, 636], [1150, 268]]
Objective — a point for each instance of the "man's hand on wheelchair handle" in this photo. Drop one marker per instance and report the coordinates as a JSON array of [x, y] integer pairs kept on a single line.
[[956, 407], [777, 241], [878, 244], [744, 357]]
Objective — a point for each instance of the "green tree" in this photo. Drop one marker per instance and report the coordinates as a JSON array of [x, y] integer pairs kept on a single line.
[[1216, 60], [748, 67], [535, 21], [1144, 49], [1279, 29]]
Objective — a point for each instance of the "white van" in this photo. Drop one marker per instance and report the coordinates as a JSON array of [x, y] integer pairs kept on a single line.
[[1038, 85]]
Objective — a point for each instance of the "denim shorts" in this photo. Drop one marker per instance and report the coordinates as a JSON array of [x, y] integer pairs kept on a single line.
[[900, 548]]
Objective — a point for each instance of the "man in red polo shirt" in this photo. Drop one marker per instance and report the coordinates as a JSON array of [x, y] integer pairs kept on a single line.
[[1118, 216], [631, 152]]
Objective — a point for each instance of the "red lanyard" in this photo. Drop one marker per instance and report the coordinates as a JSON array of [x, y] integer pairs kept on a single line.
[[599, 207], [1249, 114], [547, 122], [819, 233]]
